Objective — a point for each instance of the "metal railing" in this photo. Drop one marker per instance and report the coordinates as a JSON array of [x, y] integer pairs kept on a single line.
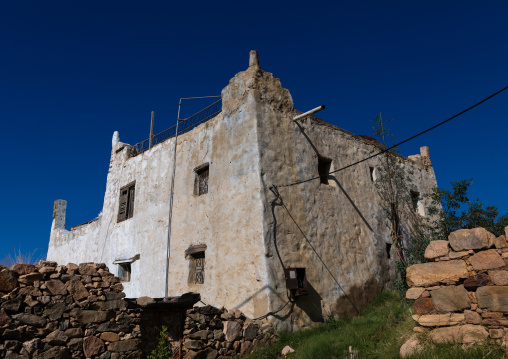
[[185, 126]]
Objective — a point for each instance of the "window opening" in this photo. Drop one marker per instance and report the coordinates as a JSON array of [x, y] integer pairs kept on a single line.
[[415, 196], [296, 281], [201, 183], [199, 268], [124, 272], [371, 169], [126, 202], [388, 250], [324, 165]]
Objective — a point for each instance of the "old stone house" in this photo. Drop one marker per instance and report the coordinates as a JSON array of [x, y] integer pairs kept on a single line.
[[230, 235]]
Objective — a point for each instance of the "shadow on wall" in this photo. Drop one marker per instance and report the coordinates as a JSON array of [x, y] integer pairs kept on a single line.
[[360, 296], [311, 304]]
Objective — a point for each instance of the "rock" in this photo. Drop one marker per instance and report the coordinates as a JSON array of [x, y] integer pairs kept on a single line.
[[414, 293], [22, 269], [123, 318], [56, 353], [479, 280], [473, 333], [493, 298], [92, 346], [496, 333], [4, 318], [56, 287], [41, 264], [30, 319], [76, 289], [143, 300], [489, 259], [434, 273], [88, 269], [194, 344], [74, 332], [450, 299], [124, 345], [250, 331], [232, 331], [32, 277], [56, 338], [75, 344], [492, 315], [46, 270], [115, 295], [446, 335], [455, 255], [12, 306], [436, 249], [109, 327], [110, 337], [91, 316], [201, 334], [476, 238], [110, 305], [31, 346], [218, 335], [246, 347], [499, 277], [472, 317], [441, 320], [423, 306], [35, 292], [54, 311], [287, 350], [8, 280], [501, 242]]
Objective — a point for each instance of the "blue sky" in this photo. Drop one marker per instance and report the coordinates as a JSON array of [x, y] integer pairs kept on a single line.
[[72, 72]]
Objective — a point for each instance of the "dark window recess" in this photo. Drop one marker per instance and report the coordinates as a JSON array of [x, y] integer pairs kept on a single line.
[[371, 169], [415, 196], [296, 281], [201, 184], [126, 207], [124, 272], [388, 250], [199, 268], [324, 165]]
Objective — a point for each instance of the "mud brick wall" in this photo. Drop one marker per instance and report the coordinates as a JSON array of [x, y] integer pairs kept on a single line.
[[461, 295]]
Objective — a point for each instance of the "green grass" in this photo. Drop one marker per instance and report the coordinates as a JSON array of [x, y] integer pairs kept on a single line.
[[378, 332]]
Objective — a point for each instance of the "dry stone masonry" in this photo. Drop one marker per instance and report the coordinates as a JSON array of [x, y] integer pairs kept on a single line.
[[461, 295], [80, 311]]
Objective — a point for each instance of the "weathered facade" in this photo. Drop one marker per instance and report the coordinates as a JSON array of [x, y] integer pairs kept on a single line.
[[229, 228]]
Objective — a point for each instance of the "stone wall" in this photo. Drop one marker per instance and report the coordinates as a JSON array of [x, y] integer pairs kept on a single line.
[[80, 311], [461, 295]]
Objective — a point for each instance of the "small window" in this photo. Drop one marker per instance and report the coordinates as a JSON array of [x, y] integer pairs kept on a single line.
[[372, 174], [126, 202], [201, 182], [388, 250], [199, 268], [415, 197], [124, 272], [324, 166], [196, 254]]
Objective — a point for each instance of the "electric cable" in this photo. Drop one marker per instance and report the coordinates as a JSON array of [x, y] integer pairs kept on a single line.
[[402, 142]]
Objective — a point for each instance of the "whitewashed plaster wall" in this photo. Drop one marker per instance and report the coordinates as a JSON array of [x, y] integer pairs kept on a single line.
[[250, 146]]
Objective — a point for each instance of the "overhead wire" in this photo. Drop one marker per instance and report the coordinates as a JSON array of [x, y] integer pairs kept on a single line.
[[402, 142]]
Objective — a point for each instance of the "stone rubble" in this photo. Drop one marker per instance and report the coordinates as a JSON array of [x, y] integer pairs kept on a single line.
[[467, 285]]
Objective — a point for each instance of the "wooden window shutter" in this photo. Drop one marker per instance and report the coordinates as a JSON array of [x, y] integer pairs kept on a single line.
[[122, 210], [131, 202]]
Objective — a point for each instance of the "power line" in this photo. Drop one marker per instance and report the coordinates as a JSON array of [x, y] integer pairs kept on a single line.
[[400, 143]]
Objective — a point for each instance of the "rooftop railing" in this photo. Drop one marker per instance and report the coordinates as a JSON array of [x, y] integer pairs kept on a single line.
[[184, 126]]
